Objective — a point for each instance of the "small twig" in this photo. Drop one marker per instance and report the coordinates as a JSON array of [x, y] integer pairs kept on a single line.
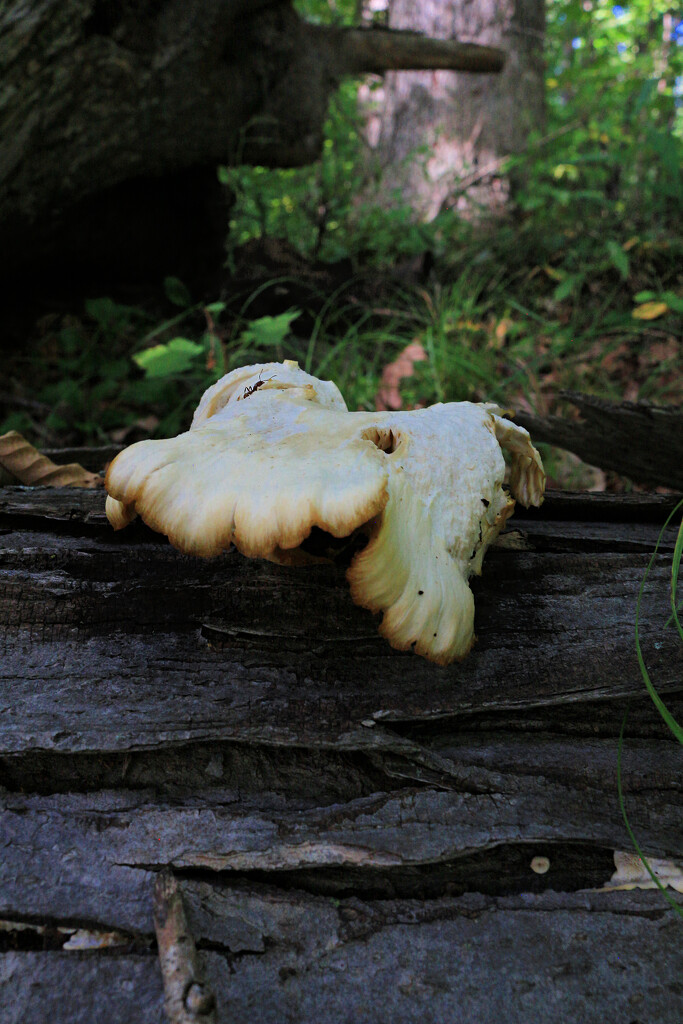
[[19, 402], [188, 1000]]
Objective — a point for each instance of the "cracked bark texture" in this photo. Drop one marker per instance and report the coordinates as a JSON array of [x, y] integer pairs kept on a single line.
[[352, 829]]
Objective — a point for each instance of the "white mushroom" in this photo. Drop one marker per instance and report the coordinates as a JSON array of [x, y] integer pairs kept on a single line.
[[273, 452]]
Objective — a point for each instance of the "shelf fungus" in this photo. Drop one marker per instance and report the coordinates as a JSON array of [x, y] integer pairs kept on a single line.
[[273, 453]]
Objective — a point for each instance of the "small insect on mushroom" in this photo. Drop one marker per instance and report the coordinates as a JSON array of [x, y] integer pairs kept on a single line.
[[254, 387], [264, 476]]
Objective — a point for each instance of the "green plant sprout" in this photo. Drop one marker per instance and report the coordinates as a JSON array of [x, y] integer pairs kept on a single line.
[[669, 719]]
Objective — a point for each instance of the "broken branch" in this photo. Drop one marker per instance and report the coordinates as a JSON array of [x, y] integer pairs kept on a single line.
[[365, 51], [188, 1000]]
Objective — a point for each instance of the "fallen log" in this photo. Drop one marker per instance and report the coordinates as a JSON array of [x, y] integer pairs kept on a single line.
[[638, 439], [357, 834]]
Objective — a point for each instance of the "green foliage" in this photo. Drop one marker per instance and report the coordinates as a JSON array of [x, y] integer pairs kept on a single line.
[[579, 288], [177, 292], [613, 148], [81, 383], [166, 360], [313, 207], [667, 298], [269, 332], [606, 167]]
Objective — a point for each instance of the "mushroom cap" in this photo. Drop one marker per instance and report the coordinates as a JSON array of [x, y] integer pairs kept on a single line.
[[234, 387], [273, 452]]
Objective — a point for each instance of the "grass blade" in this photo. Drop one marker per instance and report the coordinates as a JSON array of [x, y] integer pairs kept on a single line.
[[636, 845], [657, 700]]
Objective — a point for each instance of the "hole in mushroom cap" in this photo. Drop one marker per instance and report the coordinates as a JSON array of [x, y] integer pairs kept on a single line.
[[320, 544], [383, 438]]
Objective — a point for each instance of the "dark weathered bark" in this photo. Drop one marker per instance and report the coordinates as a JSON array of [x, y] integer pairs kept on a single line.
[[441, 136], [114, 117], [642, 441], [352, 829], [246, 625], [545, 958]]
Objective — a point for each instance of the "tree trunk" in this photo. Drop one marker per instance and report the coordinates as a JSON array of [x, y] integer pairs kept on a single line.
[[440, 136], [357, 835], [115, 116]]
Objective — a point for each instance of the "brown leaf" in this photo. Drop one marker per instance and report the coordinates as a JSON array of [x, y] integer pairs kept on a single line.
[[29, 467], [502, 328], [615, 358], [389, 395], [661, 351]]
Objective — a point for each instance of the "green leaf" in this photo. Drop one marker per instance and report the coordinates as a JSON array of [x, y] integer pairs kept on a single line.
[[568, 286], [177, 356], [215, 308], [269, 331], [670, 298], [106, 313], [673, 725], [618, 257], [176, 292], [673, 301]]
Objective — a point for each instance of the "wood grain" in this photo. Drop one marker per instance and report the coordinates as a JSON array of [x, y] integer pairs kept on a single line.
[[352, 827]]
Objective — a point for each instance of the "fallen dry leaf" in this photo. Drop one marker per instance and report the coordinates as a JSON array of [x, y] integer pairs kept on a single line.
[[25, 463], [661, 351], [389, 395], [501, 330]]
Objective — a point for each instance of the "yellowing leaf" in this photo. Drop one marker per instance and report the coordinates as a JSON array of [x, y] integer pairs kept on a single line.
[[555, 274], [25, 463], [650, 310], [569, 171]]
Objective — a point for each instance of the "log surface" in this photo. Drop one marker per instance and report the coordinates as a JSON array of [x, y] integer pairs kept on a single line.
[[640, 440], [352, 827]]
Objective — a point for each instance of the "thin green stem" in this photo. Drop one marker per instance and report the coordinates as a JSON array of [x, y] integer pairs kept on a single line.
[[656, 699], [636, 845]]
